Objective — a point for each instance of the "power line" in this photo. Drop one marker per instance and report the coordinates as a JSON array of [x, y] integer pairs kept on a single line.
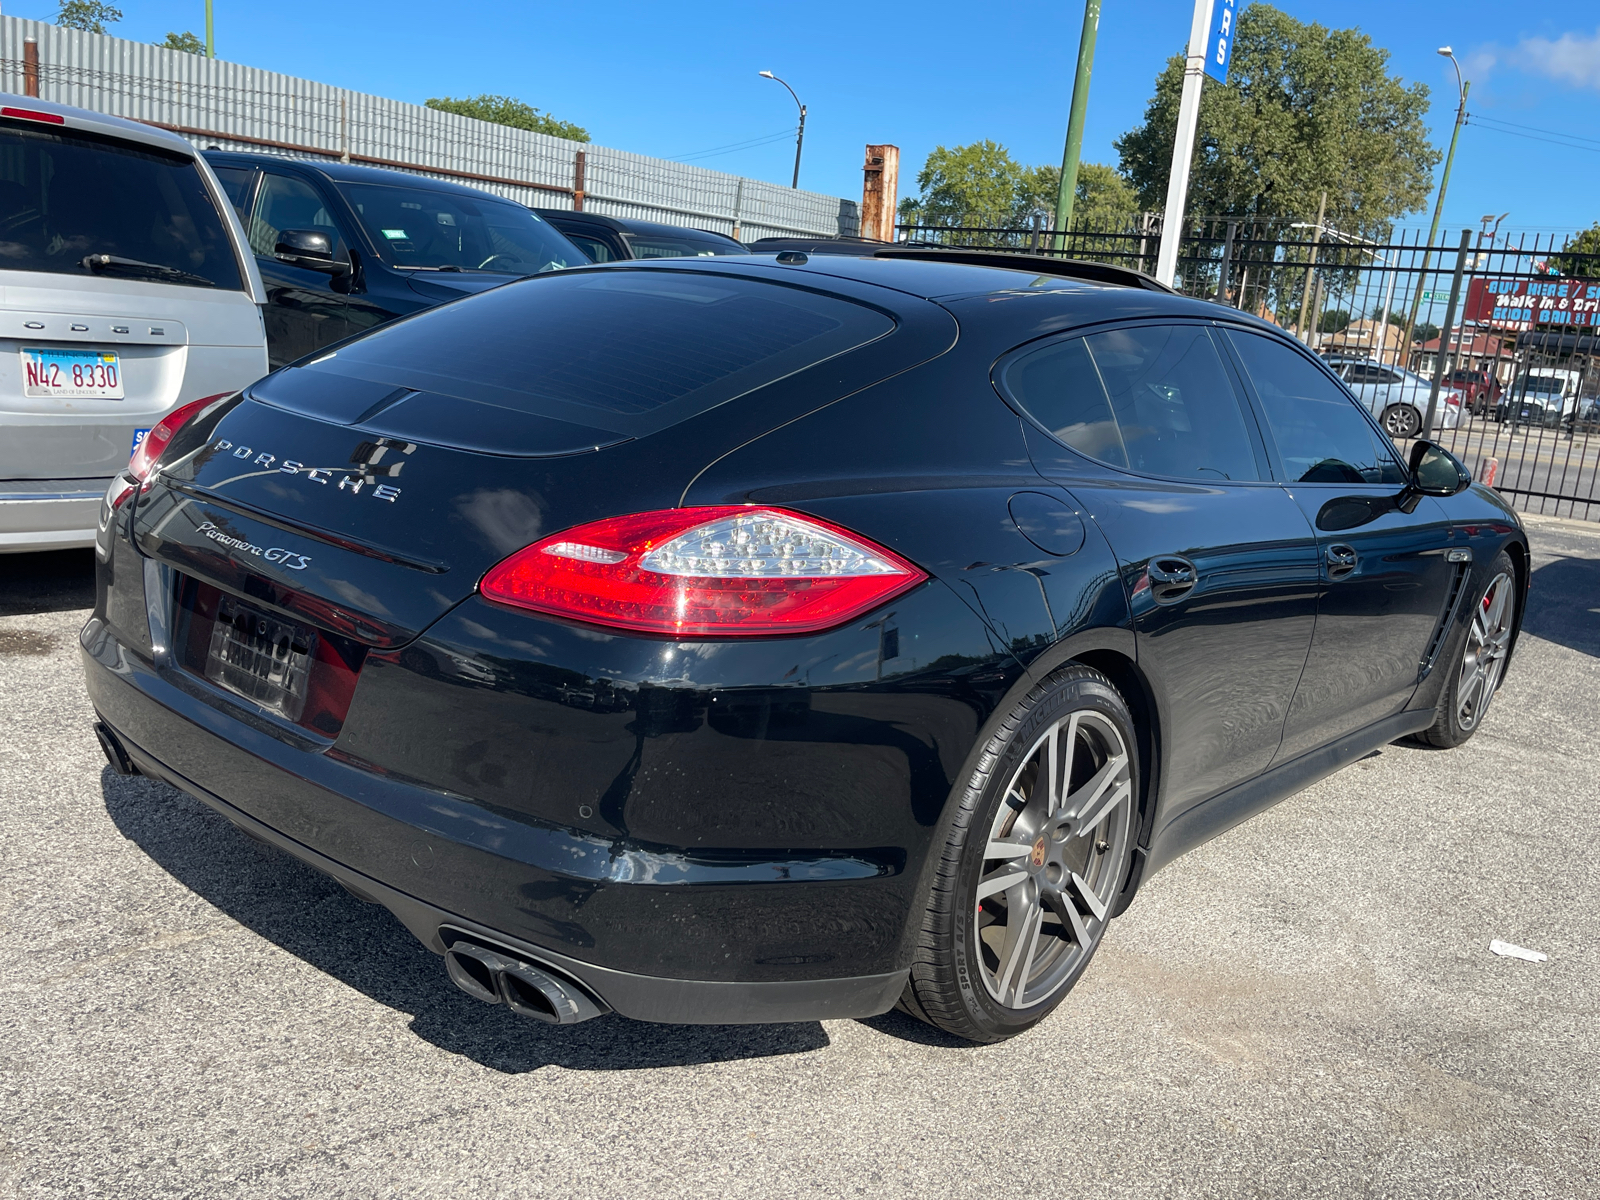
[[748, 144], [1481, 123]]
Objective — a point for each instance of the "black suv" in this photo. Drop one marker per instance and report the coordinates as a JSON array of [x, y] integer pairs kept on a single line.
[[608, 239], [344, 248]]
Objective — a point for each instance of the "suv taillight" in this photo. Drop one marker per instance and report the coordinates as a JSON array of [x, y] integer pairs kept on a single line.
[[728, 571]]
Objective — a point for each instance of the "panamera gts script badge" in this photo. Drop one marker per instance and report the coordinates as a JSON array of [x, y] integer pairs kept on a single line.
[[370, 462], [271, 554]]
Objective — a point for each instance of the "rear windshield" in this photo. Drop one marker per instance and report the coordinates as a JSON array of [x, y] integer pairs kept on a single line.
[[1552, 384], [430, 229], [656, 245], [66, 196], [624, 350]]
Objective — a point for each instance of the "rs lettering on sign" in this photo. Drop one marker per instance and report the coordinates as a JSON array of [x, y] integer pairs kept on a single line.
[[1219, 42]]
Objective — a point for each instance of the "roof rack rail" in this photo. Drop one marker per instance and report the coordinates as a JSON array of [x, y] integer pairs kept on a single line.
[[1040, 264]]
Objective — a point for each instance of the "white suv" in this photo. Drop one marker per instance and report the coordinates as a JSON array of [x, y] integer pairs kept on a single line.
[[126, 289]]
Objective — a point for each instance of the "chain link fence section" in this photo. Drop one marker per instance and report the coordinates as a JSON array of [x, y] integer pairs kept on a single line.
[[232, 107]]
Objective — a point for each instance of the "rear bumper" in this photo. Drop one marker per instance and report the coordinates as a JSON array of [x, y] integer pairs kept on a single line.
[[49, 514], [386, 839]]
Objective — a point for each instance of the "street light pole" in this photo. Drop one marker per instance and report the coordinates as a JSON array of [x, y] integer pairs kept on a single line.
[[800, 135], [1462, 87], [211, 51], [1066, 193]]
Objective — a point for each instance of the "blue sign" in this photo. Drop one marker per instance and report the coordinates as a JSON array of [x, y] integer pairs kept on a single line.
[[1219, 42], [138, 440]]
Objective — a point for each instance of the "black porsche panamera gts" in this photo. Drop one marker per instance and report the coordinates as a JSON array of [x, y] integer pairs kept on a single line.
[[781, 638]]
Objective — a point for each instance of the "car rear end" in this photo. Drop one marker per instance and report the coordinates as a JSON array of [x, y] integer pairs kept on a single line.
[[126, 291], [399, 610]]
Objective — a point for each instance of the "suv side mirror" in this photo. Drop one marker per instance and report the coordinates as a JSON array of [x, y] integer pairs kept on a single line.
[[1437, 472], [311, 249]]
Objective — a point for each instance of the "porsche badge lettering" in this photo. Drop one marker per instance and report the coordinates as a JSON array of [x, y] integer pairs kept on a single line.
[[369, 463], [271, 554]]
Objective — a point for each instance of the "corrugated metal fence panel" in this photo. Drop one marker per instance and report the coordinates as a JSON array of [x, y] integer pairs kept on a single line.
[[237, 107]]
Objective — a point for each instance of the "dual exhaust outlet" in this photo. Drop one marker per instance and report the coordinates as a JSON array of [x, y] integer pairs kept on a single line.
[[500, 976]]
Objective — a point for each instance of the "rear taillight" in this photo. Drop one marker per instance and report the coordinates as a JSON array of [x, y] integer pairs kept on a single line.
[[704, 572], [1453, 398], [148, 453], [32, 114]]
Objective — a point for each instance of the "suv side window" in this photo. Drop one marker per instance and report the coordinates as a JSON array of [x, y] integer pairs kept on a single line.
[[237, 184], [1322, 436], [287, 203], [1153, 398]]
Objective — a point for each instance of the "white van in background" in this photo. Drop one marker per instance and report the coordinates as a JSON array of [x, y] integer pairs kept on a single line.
[[126, 289]]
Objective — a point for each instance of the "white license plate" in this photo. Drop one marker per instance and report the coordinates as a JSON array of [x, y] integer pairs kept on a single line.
[[71, 374]]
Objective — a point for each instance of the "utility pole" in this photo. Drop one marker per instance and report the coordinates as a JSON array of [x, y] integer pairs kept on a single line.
[[1311, 267], [800, 136], [211, 46], [1462, 87], [1210, 47], [1068, 190]]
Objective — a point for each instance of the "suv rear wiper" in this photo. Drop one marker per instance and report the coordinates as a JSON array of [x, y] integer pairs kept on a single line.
[[97, 263]]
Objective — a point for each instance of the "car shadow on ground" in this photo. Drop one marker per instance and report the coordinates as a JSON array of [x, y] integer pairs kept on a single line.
[[54, 581], [1564, 604], [362, 946]]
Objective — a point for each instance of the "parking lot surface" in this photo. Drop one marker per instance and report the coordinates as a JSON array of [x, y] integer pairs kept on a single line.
[[1305, 1007]]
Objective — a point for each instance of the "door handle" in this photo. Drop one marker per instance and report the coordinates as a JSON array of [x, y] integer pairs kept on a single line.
[[1171, 578], [1341, 561]]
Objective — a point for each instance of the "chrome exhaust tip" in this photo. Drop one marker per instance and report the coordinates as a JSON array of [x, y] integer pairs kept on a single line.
[[501, 976], [121, 764]]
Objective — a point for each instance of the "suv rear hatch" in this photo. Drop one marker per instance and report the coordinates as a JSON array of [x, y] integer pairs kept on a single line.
[[366, 491]]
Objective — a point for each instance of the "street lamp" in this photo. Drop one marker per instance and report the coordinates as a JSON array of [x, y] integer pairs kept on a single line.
[[1462, 87], [800, 137]]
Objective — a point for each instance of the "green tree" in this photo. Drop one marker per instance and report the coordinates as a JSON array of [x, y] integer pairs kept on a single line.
[[1334, 320], [1587, 242], [508, 110], [91, 16], [978, 184], [187, 42], [1104, 201], [1305, 110]]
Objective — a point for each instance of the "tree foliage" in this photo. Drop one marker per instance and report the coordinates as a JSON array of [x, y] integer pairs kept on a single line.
[[508, 110], [187, 42], [981, 184], [1334, 320], [1305, 109], [91, 16], [1587, 242]]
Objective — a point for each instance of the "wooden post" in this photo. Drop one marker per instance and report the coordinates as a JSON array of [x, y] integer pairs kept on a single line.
[[30, 68], [880, 192], [577, 181]]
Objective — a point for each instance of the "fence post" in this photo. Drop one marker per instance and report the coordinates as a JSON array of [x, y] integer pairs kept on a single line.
[[1227, 255], [738, 206], [30, 68], [1444, 334], [344, 128], [578, 162]]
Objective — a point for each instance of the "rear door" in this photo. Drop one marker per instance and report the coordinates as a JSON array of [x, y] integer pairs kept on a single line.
[[1218, 561], [303, 311], [1385, 580]]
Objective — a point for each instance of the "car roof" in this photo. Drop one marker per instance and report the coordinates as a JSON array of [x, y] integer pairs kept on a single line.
[[343, 172], [632, 225], [92, 122]]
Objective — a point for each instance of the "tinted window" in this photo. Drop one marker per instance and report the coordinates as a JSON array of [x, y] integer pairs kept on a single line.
[[236, 183], [1322, 436], [65, 196], [656, 246], [627, 350], [1155, 399], [597, 250], [427, 229], [288, 203]]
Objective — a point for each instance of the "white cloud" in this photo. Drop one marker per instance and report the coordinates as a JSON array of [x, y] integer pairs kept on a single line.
[[1571, 58]]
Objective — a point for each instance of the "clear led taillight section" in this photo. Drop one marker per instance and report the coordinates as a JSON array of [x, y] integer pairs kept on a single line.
[[704, 572]]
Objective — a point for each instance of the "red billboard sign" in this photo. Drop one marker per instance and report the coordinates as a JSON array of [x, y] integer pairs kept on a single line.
[[1526, 303]]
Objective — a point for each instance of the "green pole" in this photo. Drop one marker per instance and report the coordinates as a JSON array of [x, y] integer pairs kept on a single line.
[[1433, 232], [1080, 103], [211, 47]]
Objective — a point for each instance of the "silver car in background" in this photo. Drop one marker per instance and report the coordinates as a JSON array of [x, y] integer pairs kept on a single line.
[[1396, 396], [127, 289]]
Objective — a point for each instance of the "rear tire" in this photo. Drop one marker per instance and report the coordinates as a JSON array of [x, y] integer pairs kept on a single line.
[[1030, 872], [1401, 421], [1478, 659]]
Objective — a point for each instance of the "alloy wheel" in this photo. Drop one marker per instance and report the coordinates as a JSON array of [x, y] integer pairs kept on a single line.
[[1484, 659], [1401, 421], [1049, 868]]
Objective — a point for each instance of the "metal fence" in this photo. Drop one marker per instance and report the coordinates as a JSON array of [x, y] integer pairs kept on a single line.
[[234, 107], [1516, 358]]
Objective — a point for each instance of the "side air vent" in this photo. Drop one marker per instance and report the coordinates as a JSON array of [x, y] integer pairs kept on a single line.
[[1458, 583]]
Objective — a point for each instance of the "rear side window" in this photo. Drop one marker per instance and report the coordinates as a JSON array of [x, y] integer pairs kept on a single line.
[[625, 350], [1322, 437], [65, 196], [1154, 399], [659, 246]]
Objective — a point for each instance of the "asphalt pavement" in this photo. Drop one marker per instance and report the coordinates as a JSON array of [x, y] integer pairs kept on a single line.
[[1304, 1007]]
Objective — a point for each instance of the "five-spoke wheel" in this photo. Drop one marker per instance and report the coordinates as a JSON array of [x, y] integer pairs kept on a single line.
[[1484, 658]]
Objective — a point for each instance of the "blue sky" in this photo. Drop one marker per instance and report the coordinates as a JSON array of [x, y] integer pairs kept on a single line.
[[681, 78]]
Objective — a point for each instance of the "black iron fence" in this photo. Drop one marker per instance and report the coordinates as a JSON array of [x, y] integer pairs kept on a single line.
[[1507, 376]]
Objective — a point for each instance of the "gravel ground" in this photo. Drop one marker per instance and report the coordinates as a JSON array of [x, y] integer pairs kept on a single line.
[[1305, 1007]]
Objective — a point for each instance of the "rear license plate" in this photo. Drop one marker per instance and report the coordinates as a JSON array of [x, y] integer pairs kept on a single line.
[[263, 658], [71, 374]]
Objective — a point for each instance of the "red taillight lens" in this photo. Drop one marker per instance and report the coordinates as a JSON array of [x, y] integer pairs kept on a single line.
[[704, 572], [32, 114], [148, 454]]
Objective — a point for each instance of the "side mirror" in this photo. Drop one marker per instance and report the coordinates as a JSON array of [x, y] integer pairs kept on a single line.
[[1437, 472], [311, 249]]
